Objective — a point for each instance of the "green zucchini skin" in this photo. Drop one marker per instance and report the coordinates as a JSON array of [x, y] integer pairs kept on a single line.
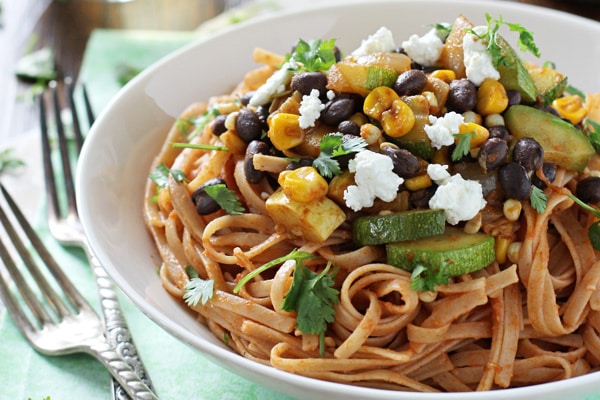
[[462, 252], [406, 225]]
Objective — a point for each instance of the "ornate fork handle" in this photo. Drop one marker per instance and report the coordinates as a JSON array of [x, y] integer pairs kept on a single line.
[[121, 371], [116, 329]]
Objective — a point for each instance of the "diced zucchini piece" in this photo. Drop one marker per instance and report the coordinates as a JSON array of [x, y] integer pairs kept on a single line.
[[461, 252], [513, 74], [563, 144], [350, 77], [406, 225], [314, 221]]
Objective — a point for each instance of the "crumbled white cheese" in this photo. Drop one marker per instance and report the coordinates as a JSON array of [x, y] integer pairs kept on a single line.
[[426, 49], [276, 84], [382, 41], [374, 177], [461, 199], [330, 95], [477, 60], [442, 129], [310, 109]]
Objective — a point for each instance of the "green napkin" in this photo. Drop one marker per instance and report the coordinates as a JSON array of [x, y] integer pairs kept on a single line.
[[177, 370]]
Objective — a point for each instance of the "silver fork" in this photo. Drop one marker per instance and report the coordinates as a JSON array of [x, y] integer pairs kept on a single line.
[[54, 317], [65, 226]]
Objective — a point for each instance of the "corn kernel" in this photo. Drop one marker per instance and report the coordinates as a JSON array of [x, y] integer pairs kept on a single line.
[[570, 108], [491, 97], [398, 120], [230, 121], [303, 184], [502, 244], [227, 108], [494, 120], [379, 100], [371, 134], [472, 116], [474, 224], [418, 182], [434, 105], [512, 209], [285, 131], [481, 134], [513, 251], [447, 75], [358, 118], [233, 142]]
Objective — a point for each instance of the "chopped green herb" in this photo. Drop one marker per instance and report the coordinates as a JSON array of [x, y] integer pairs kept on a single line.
[[525, 40], [160, 175], [226, 198], [463, 146], [315, 55], [9, 161], [538, 199], [332, 146], [442, 29], [312, 296], [198, 146], [198, 122], [574, 91], [197, 289], [425, 280], [594, 229]]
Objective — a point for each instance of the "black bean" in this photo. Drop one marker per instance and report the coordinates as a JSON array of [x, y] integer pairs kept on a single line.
[[588, 190], [405, 163], [203, 202], [337, 110], [420, 198], [411, 82], [549, 171], [349, 127], [263, 114], [245, 99], [462, 96], [499, 131], [218, 125], [492, 154], [248, 125], [305, 82], [514, 97], [303, 162], [254, 147], [514, 180], [529, 153]]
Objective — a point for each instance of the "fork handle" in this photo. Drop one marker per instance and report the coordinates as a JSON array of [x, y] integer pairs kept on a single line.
[[116, 330], [121, 371]]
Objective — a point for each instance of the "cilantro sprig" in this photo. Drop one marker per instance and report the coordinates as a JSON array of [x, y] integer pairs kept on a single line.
[[311, 295], [225, 198], [463, 146], [160, 175], [314, 55], [332, 146], [594, 229], [525, 40], [538, 199], [197, 289], [425, 279]]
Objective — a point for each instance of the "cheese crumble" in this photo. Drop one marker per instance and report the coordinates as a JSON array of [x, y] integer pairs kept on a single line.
[[382, 41], [426, 49], [477, 60], [310, 109], [442, 129], [374, 178]]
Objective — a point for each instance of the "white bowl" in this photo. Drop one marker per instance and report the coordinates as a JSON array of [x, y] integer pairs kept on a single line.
[[126, 136]]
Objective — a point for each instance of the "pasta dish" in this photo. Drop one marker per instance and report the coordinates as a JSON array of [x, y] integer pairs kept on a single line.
[[418, 215]]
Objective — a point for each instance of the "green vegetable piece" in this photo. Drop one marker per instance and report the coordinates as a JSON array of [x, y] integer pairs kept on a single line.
[[513, 74], [379, 76], [461, 252], [563, 144], [406, 225]]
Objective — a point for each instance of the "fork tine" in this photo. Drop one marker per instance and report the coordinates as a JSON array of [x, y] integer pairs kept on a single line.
[[74, 297], [69, 89]]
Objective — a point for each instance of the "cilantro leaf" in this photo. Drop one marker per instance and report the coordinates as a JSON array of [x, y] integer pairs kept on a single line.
[[538, 199], [160, 175], [226, 198], [197, 289], [332, 145], [9, 161], [463, 146], [525, 39], [297, 255], [197, 122], [312, 296], [592, 128], [424, 279], [315, 55]]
